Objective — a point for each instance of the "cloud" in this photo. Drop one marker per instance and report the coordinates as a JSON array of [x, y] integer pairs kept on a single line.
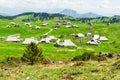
[[105, 4], [41, 3], [81, 6]]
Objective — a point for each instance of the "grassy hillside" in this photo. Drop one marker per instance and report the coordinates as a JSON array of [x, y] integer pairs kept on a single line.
[[111, 32], [62, 68]]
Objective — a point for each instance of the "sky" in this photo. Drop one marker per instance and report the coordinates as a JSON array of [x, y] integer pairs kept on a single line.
[[102, 7]]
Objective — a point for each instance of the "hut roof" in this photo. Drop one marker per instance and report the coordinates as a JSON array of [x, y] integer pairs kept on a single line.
[[68, 22], [103, 38], [27, 23], [29, 40], [80, 35], [37, 27], [96, 37], [75, 26], [45, 24], [88, 34], [68, 26], [93, 42], [8, 26], [13, 38], [67, 43], [48, 39]]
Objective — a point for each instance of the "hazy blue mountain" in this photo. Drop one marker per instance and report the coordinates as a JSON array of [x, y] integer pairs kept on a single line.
[[73, 13], [70, 12], [90, 15]]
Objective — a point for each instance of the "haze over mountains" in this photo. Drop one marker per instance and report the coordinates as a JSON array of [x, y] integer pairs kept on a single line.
[[102, 7], [75, 14], [68, 12]]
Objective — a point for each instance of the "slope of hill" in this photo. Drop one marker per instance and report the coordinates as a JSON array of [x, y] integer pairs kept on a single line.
[[5, 17], [32, 16]]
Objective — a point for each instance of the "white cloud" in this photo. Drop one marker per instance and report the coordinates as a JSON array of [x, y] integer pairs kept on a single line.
[[42, 4], [105, 4], [78, 5]]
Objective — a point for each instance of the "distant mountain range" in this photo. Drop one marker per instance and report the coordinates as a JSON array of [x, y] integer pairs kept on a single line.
[[73, 13], [68, 12], [33, 16]]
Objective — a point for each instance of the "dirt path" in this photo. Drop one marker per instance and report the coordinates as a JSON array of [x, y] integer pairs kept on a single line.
[[48, 31]]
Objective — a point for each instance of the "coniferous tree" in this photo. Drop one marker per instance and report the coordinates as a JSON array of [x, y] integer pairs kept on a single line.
[[32, 53]]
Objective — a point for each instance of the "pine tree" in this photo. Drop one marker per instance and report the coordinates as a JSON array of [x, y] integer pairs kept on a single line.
[[32, 53]]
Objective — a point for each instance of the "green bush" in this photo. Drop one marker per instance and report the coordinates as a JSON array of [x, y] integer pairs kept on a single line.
[[32, 54], [85, 56], [11, 61]]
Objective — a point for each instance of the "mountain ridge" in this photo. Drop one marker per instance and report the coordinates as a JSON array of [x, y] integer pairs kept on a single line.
[[75, 14], [70, 12]]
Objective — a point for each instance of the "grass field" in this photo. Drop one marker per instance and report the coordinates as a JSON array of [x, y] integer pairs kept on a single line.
[[89, 70], [56, 71], [14, 49]]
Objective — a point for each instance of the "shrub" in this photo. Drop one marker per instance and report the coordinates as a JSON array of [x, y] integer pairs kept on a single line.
[[47, 61], [100, 57], [110, 55], [85, 56], [32, 53], [11, 61]]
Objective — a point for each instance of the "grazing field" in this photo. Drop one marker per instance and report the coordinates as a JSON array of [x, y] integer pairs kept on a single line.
[[63, 53], [62, 68]]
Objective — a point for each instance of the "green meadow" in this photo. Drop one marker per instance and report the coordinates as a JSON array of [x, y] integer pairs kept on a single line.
[[65, 70], [60, 53]]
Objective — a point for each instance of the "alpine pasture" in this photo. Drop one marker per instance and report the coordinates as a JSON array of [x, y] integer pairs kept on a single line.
[[62, 68]]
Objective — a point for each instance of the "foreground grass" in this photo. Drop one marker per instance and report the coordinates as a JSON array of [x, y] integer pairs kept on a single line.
[[88, 70]]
